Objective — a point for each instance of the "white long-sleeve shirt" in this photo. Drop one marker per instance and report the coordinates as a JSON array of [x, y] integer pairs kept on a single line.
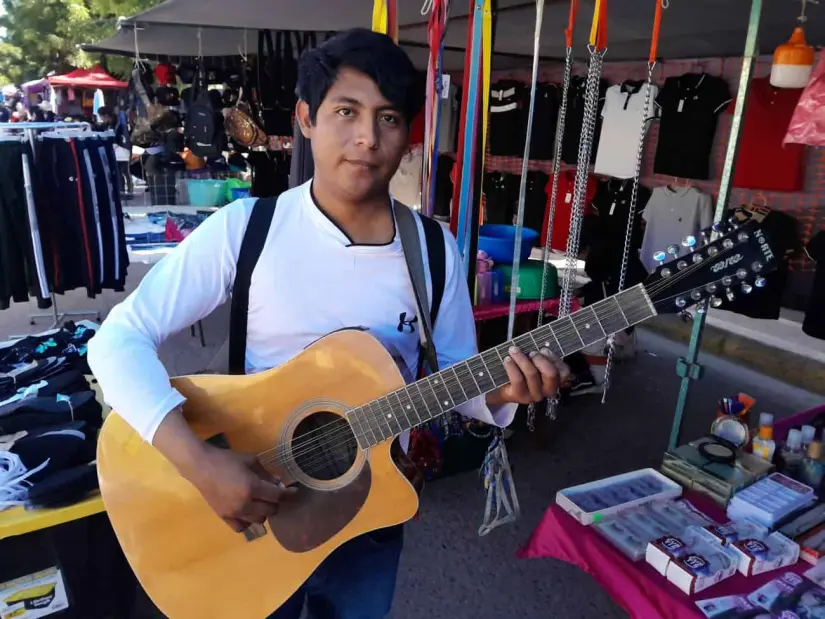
[[310, 280]]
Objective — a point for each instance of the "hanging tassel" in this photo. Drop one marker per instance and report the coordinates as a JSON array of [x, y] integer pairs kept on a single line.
[[502, 506]]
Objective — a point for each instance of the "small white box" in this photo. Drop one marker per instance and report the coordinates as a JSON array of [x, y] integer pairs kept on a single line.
[[660, 552], [771, 553]]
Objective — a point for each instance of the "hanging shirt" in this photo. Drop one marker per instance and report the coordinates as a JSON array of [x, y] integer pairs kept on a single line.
[[622, 123], [672, 214], [612, 204], [814, 323], [762, 162], [310, 280], [575, 119], [450, 111], [545, 116], [690, 105], [564, 207], [507, 100], [765, 303]]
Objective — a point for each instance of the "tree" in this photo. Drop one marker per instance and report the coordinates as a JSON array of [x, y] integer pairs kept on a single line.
[[42, 35]]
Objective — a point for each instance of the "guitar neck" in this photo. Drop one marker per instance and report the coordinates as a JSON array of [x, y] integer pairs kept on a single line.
[[430, 397]]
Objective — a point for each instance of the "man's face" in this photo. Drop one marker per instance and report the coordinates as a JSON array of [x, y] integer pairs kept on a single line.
[[358, 138]]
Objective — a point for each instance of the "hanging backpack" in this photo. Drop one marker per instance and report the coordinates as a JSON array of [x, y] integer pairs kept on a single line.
[[203, 130]]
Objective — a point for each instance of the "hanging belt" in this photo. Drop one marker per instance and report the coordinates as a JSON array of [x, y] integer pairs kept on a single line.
[[385, 18]]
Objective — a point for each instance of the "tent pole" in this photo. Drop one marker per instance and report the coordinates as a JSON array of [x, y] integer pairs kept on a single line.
[[687, 367]]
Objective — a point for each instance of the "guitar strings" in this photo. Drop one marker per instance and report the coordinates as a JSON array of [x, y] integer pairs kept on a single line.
[[347, 433]]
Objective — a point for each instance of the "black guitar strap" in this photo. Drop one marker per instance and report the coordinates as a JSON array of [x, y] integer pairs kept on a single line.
[[252, 245]]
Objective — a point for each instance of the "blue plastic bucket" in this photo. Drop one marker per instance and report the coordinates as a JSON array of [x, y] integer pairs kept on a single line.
[[499, 241], [205, 192]]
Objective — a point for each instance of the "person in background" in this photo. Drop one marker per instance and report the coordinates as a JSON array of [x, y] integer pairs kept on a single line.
[[107, 118]]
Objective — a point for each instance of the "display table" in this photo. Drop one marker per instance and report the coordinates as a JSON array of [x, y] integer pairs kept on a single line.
[[19, 521], [639, 589]]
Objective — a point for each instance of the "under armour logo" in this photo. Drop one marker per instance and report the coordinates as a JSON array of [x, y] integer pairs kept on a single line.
[[404, 323]]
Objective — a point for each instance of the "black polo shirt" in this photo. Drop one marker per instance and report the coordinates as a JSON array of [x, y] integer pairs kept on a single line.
[[814, 323], [575, 119], [545, 117], [690, 106], [507, 103]]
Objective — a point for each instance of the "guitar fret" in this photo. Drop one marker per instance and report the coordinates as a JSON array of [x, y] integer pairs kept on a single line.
[[389, 414], [358, 428], [460, 386], [436, 380], [612, 321], [435, 395], [556, 337], [599, 322], [378, 421], [424, 401], [583, 325], [402, 409]]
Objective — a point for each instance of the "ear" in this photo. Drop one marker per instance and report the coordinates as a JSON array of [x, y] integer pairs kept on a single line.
[[302, 116]]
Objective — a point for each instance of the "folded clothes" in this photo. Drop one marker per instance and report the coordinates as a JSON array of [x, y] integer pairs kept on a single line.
[[43, 412], [60, 451], [63, 488], [61, 383]]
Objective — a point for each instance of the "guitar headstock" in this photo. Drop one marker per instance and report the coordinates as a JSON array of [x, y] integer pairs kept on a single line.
[[732, 264]]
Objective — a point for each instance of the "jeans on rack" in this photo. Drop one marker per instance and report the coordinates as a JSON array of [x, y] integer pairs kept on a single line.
[[357, 581]]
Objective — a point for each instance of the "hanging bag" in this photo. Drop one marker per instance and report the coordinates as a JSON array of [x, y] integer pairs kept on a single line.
[[267, 86], [202, 132]]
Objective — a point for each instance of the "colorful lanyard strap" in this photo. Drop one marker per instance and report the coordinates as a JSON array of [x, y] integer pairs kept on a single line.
[[385, 18], [432, 114]]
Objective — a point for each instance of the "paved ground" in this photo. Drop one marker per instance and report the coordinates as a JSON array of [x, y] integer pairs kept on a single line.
[[447, 570]]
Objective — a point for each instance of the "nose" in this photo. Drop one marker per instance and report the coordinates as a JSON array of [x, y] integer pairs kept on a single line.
[[367, 132]]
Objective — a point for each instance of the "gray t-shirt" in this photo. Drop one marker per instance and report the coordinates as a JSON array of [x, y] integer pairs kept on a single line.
[[671, 214]]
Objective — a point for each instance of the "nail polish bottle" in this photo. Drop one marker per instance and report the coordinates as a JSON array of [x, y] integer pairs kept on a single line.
[[812, 469]]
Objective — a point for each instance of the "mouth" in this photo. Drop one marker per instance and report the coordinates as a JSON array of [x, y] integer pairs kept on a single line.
[[367, 165]]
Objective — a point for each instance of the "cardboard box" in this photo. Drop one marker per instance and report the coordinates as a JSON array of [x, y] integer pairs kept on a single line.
[[37, 595]]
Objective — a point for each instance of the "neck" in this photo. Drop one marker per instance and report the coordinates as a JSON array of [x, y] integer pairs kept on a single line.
[[348, 212], [439, 393]]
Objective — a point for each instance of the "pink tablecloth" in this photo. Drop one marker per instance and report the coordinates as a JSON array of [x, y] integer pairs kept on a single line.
[[497, 310], [641, 591]]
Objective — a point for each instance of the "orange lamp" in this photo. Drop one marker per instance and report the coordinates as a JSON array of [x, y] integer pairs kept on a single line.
[[793, 62]]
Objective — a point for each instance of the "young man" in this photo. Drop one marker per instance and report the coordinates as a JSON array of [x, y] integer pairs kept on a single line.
[[332, 260]]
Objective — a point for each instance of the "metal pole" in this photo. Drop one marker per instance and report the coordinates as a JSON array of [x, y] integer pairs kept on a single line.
[[686, 367]]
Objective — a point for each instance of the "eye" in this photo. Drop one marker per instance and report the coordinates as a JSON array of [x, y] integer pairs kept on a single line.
[[390, 119], [345, 112]]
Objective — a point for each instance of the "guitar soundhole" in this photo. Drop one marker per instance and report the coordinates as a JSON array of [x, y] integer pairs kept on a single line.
[[324, 446]]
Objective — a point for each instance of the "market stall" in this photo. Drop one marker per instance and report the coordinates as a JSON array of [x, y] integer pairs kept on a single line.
[[74, 92]]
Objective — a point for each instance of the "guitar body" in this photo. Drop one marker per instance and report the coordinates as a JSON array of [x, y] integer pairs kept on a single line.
[[187, 559]]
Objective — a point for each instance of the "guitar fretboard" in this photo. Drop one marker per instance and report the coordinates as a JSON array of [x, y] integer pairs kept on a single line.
[[430, 397]]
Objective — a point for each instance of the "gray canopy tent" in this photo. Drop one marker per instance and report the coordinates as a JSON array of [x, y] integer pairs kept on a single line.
[[692, 29]]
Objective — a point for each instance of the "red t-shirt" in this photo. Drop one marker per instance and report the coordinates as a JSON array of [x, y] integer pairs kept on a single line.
[[564, 205], [763, 162]]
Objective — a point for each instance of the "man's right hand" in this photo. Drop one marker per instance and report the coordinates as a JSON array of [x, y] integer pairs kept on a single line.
[[236, 486]]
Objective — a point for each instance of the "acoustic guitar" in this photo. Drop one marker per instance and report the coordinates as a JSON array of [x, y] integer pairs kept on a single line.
[[325, 420]]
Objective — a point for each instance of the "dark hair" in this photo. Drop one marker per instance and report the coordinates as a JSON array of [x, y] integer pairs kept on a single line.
[[371, 53], [105, 110]]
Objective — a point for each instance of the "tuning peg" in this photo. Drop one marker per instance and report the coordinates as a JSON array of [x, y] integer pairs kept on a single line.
[[665, 272], [681, 302], [695, 295], [741, 273], [715, 302], [681, 265], [697, 257], [673, 250], [686, 316], [711, 288], [706, 236], [727, 280], [746, 288], [727, 243], [733, 221], [712, 250], [689, 241], [756, 267], [760, 282], [742, 236], [701, 309], [659, 257], [729, 294], [718, 226]]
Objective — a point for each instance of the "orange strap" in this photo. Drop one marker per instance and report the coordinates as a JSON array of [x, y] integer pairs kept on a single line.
[[571, 22], [657, 25]]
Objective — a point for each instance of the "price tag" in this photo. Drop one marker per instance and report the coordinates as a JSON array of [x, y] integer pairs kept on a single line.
[[612, 208], [568, 196], [681, 105], [445, 86]]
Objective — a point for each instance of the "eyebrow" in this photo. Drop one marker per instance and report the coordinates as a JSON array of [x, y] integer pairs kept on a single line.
[[356, 103]]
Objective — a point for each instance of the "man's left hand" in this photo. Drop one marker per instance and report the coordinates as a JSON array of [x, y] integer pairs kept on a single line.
[[532, 378]]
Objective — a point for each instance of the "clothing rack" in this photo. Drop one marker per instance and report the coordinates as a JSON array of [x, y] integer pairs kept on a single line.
[[30, 130]]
